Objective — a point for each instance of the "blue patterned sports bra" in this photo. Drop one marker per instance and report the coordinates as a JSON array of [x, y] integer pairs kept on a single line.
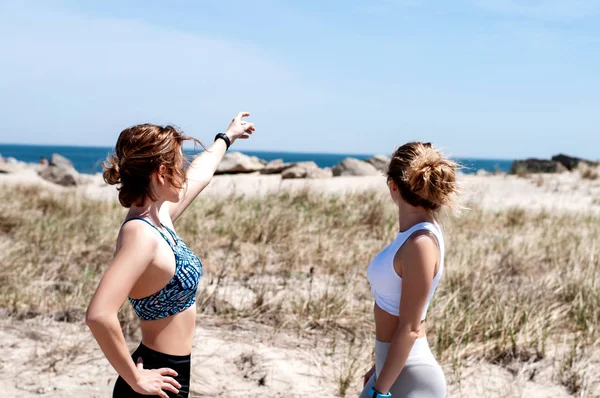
[[180, 293]]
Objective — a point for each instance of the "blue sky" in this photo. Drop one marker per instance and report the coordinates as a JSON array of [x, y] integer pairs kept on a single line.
[[479, 78]]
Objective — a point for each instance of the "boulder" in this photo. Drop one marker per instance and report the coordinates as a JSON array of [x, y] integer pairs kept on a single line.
[[536, 166], [380, 162], [354, 167], [306, 170], [236, 162], [12, 165], [319, 173], [299, 170], [275, 167], [61, 175], [571, 163], [59, 171], [60, 161]]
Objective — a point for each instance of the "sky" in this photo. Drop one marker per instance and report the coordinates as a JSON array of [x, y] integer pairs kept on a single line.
[[479, 78]]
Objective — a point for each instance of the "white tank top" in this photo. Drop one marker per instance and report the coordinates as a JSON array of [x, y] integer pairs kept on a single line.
[[386, 284]]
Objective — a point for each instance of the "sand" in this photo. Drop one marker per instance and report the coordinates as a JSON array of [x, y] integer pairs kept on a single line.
[[551, 192], [43, 357]]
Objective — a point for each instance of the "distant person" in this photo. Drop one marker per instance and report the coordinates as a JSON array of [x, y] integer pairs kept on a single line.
[[43, 161], [405, 274], [152, 266]]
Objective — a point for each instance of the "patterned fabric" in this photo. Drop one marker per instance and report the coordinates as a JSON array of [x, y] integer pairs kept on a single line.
[[180, 293]]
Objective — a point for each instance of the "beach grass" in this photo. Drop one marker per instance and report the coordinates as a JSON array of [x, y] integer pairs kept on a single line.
[[517, 283]]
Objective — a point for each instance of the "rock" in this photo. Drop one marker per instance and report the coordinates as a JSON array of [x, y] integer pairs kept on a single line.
[[306, 170], [536, 166], [380, 162], [354, 167], [60, 161], [236, 162], [275, 167], [319, 173], [482, 172], [12, 165], [60, 171], [299, 170], [571, 163], [61, 175]]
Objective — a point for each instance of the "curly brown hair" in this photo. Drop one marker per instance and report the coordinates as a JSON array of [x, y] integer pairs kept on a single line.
[[423, 175], [139, 152]]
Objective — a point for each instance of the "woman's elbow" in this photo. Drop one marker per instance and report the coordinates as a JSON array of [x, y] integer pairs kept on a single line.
[[409, 330], [95, 318]]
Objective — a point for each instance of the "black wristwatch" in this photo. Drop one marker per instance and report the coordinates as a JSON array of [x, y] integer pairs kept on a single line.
[[224, 137]]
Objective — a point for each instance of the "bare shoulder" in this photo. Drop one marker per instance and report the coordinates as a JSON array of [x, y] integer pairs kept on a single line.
[[422, 247], [136, 234]]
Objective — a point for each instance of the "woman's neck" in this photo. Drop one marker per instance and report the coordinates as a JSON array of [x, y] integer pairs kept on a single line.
[[149, 209], [409, 216]]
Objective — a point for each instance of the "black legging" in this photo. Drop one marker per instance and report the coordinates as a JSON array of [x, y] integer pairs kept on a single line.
[[156, 360]]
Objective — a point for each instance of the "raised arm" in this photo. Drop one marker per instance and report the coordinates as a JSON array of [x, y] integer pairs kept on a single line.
[[138, 248], [203, 167], [419, 259]]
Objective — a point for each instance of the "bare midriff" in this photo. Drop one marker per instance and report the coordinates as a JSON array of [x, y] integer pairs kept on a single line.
[[386, 325], [173, 335]]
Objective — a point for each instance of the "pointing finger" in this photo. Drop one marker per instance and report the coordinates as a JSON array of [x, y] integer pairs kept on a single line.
[[242, 114]]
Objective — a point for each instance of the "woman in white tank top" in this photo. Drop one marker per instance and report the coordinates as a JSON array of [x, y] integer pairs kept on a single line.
[[405, 274]]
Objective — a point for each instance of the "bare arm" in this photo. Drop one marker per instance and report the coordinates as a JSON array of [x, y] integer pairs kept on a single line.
[[419, 260], [138, 249], [203, 167]]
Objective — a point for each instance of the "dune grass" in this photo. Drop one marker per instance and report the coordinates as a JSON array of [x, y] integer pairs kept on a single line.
[[516, 281]]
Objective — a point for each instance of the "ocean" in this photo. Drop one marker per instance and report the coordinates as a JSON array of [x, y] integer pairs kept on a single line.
[[89, 159]]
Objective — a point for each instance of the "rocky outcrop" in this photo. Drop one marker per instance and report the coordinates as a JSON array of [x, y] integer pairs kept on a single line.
[[354, 167], [306, 170], [380, 162], [11, 165], [275, 167], [60, 171], [536, 166], [571, 163], [236, 162], [60, 161]]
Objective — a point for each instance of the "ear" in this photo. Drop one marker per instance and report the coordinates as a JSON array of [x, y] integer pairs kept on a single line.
[[392, 185], [160, 174]]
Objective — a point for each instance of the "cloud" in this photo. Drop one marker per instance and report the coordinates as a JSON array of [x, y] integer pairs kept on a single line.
[[543, 9]]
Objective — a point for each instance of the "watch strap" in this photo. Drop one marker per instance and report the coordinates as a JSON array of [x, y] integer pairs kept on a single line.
[[224, 137]]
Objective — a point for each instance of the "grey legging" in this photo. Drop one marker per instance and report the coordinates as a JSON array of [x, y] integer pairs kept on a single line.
[[421, 377]]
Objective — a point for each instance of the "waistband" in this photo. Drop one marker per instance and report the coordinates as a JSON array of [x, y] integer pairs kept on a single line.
[[420, 354], [419, 351], [145, 350]]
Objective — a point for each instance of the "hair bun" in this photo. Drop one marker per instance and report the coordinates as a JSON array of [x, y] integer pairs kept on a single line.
[[111, 174], [431, 176]]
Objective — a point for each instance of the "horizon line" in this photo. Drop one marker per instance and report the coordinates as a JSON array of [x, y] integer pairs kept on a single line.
[[259, 151]]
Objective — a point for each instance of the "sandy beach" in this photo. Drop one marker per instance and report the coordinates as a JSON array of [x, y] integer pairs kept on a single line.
[[42, 355]]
